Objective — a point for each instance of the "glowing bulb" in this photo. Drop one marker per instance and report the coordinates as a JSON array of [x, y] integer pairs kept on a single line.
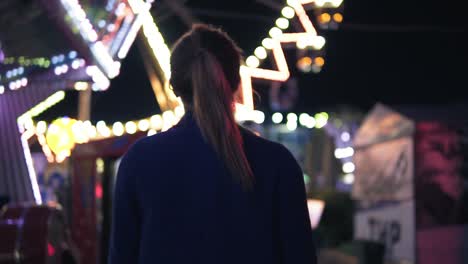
[[338, 17], [291, 125], [282, 23], [348, 178], [131, 127], [288, 12], [258, 117], [320, 3], [260, 52], [277, 118], [151, 132], [319, 42], [325, 18], [118, 129], [345, 136], [275, 32], [179, 111], [267, 43], [336, 3], [292, 2], [291, 117], [321, 119], [156, 122], [252, 62], [24, 81], [2, 89], [41, 127], [341, 153], [319, 61], [72, 54], [81, 86], [143, 125], [348, 167]]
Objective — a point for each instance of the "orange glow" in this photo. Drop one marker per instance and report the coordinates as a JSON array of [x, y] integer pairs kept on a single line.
[[325, 18], [282, 73], [319, 61], [338, 17]]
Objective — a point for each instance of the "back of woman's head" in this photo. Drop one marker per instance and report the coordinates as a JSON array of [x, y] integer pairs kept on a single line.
[[205, 74]]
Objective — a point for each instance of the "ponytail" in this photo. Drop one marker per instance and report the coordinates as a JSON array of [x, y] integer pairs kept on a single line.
[[213, 112]]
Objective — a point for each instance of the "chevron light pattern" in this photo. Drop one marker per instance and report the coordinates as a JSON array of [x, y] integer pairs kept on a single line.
[[302, 39]]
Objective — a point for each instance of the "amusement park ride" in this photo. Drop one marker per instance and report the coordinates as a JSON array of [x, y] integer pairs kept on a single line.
[[91, 38]]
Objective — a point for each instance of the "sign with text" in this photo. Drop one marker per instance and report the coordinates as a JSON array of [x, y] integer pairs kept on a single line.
[[393, 226]]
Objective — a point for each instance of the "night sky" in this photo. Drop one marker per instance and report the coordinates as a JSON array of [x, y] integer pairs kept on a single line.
[[410, 53]]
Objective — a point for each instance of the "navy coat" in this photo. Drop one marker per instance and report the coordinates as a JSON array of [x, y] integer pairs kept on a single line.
[[176, 203]]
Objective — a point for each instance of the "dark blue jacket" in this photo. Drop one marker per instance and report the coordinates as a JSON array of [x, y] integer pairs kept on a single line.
[[175, 203]]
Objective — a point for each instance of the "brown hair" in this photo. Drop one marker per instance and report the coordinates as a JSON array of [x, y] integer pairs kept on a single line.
[[205, 74]]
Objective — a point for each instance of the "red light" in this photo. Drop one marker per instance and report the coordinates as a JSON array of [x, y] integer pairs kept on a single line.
[[98, 191], [50, 250]]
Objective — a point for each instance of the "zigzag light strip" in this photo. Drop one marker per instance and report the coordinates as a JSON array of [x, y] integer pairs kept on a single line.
[[282, 73]]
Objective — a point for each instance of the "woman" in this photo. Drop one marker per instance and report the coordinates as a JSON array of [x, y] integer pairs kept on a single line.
[[207, 191]]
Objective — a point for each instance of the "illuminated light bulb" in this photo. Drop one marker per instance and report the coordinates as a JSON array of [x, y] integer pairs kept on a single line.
[[324, 18], [304, 119], [258, 117], [320, 3], [64, 68], [275, 32], [292, 2], [130, 127], [336, 3], [20, 70], [338, 17], [260, 52], [179, 111], [91, 130], [79, 132], [321, 120], [81, 86], [252, 62], [2, 89], [14, 72], [18, 84], [102, 129], [41, 127], [305, 64], [282, 23], [277, 118], [143, 125], [151, 132], [291, 125], [24, 81], [72, 54], [118, 129], [288, 12], [57, 70], [348, 167], [267, 43], [168, 119], [156, 122], [54, 60], [319, 61], [9, 74], [341, 153], [12, 85], [345, 136], [348, 178], [75, 64], [319, 42], [61, 58], [101, 23], [111, 27], [291, 117]]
